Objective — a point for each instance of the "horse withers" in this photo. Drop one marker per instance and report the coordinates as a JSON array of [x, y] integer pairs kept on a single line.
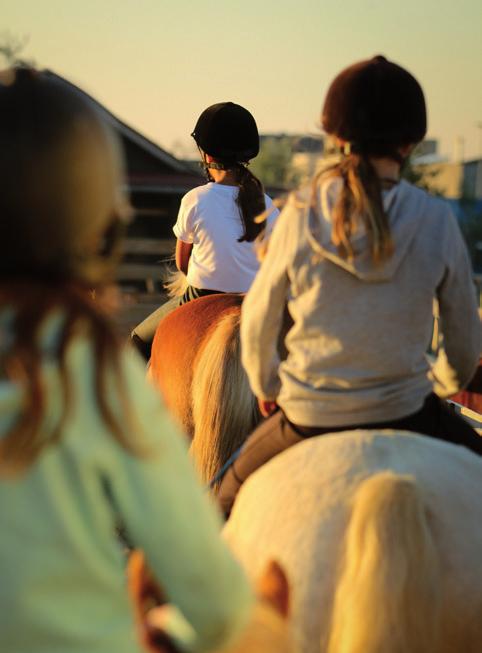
[[380, 535]]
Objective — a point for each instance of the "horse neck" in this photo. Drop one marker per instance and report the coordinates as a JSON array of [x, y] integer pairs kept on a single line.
[[224, 408]]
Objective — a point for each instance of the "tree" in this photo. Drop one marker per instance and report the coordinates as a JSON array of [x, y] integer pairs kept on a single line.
[[10, 48], [273, 163]]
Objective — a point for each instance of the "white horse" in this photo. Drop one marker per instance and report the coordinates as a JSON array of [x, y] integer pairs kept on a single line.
[[381, 536]]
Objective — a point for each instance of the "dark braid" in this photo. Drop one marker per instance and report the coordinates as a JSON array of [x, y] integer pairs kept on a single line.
[[251, 202]]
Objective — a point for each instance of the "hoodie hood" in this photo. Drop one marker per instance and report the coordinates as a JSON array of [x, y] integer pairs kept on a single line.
[[405, 206]]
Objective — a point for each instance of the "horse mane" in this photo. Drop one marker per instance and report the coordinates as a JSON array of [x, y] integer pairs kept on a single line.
[[387, 596], [225, 410], [179, 338], [174, 281]]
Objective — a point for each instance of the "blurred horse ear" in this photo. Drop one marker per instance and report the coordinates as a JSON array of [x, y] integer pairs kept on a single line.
[[273, 586]]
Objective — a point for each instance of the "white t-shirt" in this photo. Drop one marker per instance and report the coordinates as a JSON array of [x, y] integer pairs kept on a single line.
[[210, 219]]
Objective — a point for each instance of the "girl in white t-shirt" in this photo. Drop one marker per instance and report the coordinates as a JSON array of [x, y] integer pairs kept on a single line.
[[216, 225]]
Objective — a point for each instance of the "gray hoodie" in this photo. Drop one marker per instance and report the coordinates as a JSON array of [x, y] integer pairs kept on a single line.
[[357, 349]]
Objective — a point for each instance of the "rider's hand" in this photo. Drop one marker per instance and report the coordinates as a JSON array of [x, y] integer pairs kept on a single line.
[[267, 408], [145, 595]]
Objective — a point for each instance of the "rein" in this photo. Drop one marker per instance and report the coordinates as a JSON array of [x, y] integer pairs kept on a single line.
[[219, 476]]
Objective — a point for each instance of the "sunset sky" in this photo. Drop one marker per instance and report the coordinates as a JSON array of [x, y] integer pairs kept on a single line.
[[158, 64]]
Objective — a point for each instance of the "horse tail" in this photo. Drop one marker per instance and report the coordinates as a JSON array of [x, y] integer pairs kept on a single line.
[[174, 282], [387, 596], [225, 411]]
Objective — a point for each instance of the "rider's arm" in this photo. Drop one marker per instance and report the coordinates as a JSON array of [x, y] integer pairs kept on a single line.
[[185, 230], [183, 254], [263, 308], [459, 316]]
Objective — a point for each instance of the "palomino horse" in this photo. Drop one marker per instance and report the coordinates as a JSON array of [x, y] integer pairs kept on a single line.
[[195, 361], [380, 535]]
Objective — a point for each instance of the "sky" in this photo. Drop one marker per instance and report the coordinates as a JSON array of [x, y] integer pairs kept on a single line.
[[158, 64]]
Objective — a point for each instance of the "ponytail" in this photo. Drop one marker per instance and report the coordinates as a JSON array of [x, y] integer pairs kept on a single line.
[[251, 202], [360, 200]]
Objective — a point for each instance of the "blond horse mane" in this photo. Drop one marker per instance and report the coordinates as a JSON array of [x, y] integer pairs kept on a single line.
[[224, 408], [387, 596], [174, 281]]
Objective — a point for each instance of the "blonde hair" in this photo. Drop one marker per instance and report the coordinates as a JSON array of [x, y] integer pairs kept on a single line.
[[225, 410], [360, 201], [387, 596]]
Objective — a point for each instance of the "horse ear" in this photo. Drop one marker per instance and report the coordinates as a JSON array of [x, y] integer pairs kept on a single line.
[[273, 586]]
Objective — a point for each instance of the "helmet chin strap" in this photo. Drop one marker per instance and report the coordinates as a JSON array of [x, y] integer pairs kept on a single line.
[[204, 164], [214, 165], [211, 165]]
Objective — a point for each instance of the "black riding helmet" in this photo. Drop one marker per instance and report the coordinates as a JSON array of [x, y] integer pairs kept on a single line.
[[227, 132], [376, 106]]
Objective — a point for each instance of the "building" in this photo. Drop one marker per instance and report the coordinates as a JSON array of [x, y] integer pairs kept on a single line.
[[307, 155], [156, 183], [453, 180]]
